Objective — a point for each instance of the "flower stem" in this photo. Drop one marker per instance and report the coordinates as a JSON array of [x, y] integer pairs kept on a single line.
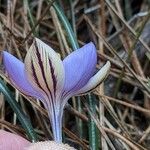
[[56, 121]]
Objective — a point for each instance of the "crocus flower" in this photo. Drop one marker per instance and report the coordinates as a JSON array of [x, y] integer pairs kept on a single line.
[[45, 76], [10, 141]]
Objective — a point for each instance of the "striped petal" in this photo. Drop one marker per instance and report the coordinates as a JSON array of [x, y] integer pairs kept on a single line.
[[79, 67], [15, 69], [45, 71], [96, 80], [10, 141]]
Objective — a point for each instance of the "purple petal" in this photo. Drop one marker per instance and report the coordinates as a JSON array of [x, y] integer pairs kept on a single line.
[[79, 67], [15, 70]]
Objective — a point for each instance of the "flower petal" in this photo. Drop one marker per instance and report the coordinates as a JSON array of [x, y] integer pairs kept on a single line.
[[44, 69], [15, 69], [96, 79], [79, 67], [10, 141]]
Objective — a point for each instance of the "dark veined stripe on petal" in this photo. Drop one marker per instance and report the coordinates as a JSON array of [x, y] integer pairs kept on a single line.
[[44, 69]]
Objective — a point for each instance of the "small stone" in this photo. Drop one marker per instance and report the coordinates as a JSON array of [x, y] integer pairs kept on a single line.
[[49, 145]]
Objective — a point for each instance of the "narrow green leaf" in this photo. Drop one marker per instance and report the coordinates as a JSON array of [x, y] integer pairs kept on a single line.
[[93, 136], [71, 36], [24, 120]]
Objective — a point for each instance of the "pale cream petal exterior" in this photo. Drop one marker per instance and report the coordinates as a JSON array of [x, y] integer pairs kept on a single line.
[[96, 80], [44, 69]]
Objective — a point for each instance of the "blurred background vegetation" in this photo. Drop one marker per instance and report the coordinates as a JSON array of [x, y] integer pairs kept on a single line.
[[117, 114]]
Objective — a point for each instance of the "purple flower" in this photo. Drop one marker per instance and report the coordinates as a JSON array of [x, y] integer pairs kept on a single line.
[[45, 76]]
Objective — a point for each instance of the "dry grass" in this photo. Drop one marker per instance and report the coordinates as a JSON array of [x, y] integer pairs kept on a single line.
[[120, 31]]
